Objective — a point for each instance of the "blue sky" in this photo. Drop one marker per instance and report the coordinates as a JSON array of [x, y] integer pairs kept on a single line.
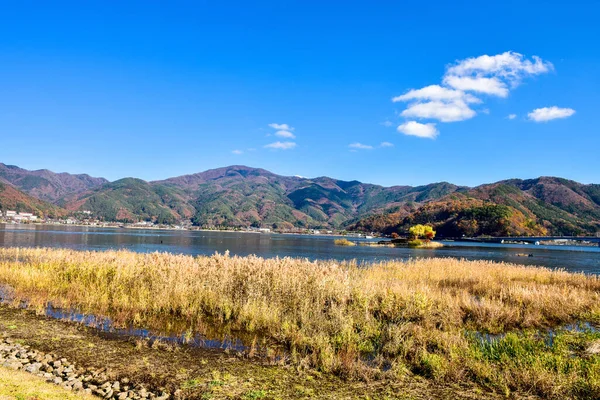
[[159, 89]]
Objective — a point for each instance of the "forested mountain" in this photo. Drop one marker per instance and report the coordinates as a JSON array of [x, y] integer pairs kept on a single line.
[[240, 196], [47, 185], [133, 200], [243, 196], [545, 205], [14, 200]]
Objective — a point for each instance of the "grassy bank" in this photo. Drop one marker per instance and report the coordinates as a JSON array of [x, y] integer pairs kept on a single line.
[[19, 385], [390, 320], [202, 373]]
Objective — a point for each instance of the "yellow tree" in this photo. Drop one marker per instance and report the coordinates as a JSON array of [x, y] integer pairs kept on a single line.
[[422, 232]]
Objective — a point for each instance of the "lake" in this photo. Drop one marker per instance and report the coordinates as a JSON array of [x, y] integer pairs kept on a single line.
[[576, 259]]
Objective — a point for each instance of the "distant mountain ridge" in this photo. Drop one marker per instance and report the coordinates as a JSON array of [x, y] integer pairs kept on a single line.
[[47, 185], [241, 196], [244, 196], [546, 205]]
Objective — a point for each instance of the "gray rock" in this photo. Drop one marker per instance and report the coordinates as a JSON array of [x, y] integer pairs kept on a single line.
[[72, 377], [12, 364], [33, 368]]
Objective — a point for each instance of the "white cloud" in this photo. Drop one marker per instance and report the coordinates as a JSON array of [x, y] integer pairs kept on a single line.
[[435, 92], [509, 65], [285, 134], [282, 127], [387, 124], [512, 116], [386, 144], [360, 146], [237, 152], [442, 111], [414, 128], [281, 145], [452, 100], [492, 86], [549, 113], [283, 131]]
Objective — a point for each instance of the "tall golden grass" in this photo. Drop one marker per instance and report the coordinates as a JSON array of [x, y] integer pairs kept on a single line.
[[399, 317]]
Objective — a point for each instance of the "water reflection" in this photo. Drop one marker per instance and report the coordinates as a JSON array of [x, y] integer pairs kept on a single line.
[[106, 325]]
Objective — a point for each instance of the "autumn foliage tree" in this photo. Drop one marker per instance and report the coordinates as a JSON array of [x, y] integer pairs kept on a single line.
[[424, 232]]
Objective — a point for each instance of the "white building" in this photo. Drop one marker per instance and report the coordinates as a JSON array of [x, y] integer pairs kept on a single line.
[[21, 216]]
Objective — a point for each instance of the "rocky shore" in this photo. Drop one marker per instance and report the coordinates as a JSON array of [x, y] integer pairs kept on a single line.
[[60, 371]]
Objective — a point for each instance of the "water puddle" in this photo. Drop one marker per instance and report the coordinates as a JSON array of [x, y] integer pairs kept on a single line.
[[106, 325], [240, 342], [548, 334]]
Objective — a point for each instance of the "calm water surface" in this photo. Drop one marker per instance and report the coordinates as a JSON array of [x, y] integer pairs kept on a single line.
[[578, 259]]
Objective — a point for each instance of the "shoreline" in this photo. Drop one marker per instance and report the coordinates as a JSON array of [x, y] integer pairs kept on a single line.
[[362, 239]]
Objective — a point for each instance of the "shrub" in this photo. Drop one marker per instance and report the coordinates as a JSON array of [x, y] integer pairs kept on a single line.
[[415, 243], [343, 242]]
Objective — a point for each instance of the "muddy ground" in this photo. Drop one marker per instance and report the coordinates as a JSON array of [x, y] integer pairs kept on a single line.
[[200, 373]]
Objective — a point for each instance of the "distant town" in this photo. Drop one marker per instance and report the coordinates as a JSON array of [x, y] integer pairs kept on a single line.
[[86, 218]]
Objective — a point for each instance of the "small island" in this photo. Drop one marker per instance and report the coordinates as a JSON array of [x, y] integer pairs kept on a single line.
[[419, 237]]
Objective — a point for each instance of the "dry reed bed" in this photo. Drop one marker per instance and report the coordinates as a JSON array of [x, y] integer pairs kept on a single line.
[[411, 316]]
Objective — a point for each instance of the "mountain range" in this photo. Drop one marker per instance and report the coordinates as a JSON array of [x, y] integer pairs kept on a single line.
[[240, 196]]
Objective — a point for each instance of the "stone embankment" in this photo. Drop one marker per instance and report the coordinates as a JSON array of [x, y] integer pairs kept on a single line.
[[61, 372]]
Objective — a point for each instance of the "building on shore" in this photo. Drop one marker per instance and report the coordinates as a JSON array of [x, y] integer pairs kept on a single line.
[[19, 216]]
